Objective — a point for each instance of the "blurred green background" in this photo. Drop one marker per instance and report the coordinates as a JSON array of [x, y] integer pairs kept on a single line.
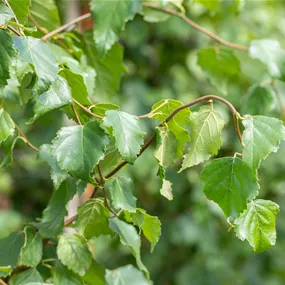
[[161, 62]]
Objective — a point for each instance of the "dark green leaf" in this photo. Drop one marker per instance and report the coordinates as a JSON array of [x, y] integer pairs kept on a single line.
[[7, 126], [127, 132], [230, 183], [64, 276], [111, 18], [95, 274], [84, 145], [257, 224], [28, 276], [73, 252], [31, 253]]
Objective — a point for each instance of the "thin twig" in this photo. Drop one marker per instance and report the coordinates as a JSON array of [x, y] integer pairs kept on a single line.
[[16, 20], [14, 31], [76, 115], [66, 26], [101, 175], [42, 29], [148, 115], [201, 99], [87, 110], [25, 138], [69, 220], [107, 204], [196, 26]]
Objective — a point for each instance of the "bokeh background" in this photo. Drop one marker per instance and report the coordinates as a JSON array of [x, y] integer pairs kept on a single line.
[[161, 62]]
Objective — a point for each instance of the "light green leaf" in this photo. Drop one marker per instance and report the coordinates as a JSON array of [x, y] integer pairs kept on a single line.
[[10, 220], [166, 189], [73, 252], [271, 54], [37, 53], [162, 109], [26, 277], [5, 14], [78, 149], [21, 9], [262, 135], [57, 175], [111, 18], [230, 183], [120, 189], [10, 248], [211, 5], [57, 96], [220, 65], [126, 275], [64, 276], [129, 237], [206, 126], [257, 224], [31, 252], [53, 216], [7, 126], [259, 100], [108, 69], [45, 13], [100, 109], [5, 270], [128, 133], [7, 52], [92, 219], [95, 274]]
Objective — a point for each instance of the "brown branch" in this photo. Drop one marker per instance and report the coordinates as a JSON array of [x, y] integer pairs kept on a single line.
[[42, 29], [199, 100], [14, 31], [25, 138], [16, 20], [102, 179], [196, 26], [87, 110], [69, 220], [66, 26], [76, 115], [2, 282]]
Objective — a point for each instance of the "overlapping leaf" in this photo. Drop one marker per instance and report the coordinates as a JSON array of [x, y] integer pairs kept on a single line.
[[230, 183], [29, 276], [64, 276], [262, 135], [7, 126], [128, 133], [257, 224], [206, 126], [78, 149], [95, 274]]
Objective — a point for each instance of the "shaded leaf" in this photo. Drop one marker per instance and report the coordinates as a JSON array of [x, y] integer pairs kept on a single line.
[[230, 183], [95, 274], [257, 224], [28, 276], [206, 126], [64, 276], [73, 252]]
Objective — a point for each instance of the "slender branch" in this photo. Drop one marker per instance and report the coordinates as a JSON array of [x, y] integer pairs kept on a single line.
[[2, 282], [25, 138], [196, 26], [107, 204], [164, 10], [66, 26], [153, 111], [42, 29], [70, 220], [14, 31], [87, 110], [199, 100], [16, 20], [76, 115], [101, 175]]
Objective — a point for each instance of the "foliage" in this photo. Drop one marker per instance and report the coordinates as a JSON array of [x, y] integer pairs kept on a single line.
[[46, 76]]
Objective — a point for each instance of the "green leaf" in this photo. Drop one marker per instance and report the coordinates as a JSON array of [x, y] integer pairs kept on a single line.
[[129, 237], [111, 18], [211, 5], [166, 189], [262, 135], [162, 109], [84, 145], [57, 96], [5, 14], [257, 224], [259, 100], [53, 216], [220, 65], [7, 126], [26, 277], [206, 126], [5, 270], [10, 248], [45, 13], [31, 252], [108, 69], [128, 133], [100, 109], [37, 53], [73, 252], [57, 175], [120, 189], [230, 183], [126, 275], [64, 276], [271, 54], [92, 219], [21, 9], [7, 52], [95, 274]]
